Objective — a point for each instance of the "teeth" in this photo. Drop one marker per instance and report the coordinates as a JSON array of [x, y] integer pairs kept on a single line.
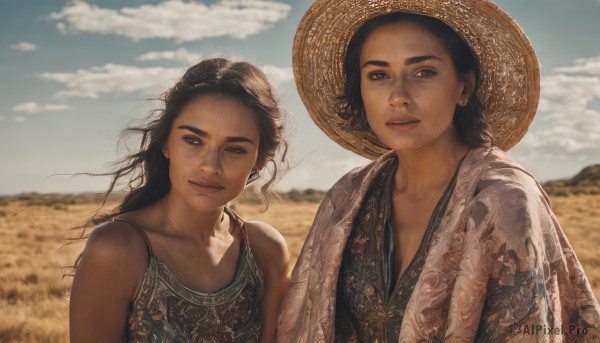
[[403, 121]]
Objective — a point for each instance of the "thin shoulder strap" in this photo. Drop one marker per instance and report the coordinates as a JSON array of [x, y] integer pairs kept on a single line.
[[239, 223], [142, 232]]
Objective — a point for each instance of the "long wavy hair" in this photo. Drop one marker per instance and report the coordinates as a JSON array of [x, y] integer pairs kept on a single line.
[[146, 170], [469, 120]]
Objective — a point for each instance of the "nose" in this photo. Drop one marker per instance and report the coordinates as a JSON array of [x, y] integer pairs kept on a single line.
[[399, 93], [210, 161]]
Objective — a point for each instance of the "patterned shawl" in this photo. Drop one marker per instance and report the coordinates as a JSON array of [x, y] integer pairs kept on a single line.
[[499, 268]]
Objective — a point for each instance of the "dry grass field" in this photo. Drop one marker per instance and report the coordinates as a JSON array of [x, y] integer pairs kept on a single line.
[[33, 294]]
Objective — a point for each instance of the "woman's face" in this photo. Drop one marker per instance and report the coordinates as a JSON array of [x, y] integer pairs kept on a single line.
[[409, 86], [212, 149]]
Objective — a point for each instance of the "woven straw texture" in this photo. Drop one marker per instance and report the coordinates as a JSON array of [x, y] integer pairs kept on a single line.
[[510, 80]]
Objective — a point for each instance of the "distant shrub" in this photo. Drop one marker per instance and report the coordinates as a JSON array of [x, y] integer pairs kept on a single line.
[[586, 182], [59, 207], [58, 200], [560, 193], [248, 196], [307, 195], [294, 195]]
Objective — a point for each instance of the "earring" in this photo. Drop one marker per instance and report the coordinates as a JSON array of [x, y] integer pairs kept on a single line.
[[254, 175], [462, 101]]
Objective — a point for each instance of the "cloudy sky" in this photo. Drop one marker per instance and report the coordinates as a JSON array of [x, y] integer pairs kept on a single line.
[[74, 73]]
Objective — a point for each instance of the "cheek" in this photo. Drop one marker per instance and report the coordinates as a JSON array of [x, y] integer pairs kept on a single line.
[[369, 116], [180, 160], [366, 96], [372, 102], [176, 167], [240, 167], [375, 109]]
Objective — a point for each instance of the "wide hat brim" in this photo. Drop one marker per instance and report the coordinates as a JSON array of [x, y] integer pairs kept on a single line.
[[510, 80]]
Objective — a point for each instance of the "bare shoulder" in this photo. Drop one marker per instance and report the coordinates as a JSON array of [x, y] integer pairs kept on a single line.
[[268, 245], [110, 270], [265, 233], [107, 279], [117, 243]]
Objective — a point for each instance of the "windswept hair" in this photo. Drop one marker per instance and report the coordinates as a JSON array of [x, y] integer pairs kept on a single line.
[[146, 170]]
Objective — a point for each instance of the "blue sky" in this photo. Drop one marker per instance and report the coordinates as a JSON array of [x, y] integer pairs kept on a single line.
[[75, 73]]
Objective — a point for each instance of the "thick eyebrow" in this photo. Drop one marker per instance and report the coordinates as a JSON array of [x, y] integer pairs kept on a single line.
[[408, 61], [231, 139]]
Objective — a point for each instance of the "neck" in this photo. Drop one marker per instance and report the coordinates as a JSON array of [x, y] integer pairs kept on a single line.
[[427, 169], [181, 219]]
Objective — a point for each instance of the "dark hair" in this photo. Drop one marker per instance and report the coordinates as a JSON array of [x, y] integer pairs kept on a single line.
[[146, 171], [469, 120]]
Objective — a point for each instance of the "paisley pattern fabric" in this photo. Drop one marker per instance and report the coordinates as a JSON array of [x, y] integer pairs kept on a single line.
[[498, 268], [371, 304], [167, 311]]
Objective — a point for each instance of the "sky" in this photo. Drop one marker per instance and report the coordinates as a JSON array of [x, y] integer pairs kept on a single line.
[[73, 74]]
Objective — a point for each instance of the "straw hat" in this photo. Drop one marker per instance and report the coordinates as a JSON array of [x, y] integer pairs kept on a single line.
[[509, 86]]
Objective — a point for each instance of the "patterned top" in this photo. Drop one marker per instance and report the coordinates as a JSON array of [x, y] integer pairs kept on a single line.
[[167, 311], [371, 305]]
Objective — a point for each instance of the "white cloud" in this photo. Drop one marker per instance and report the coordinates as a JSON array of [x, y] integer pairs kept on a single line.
[[278, 75], [179, 55], [111, 78], [568, 125], [34, 107], [19, 119], [1, 118], [583, 65], [114, 78], [173, 19], [24, 46]]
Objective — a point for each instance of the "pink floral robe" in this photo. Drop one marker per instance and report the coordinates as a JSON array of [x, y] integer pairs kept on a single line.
[[497, 228]]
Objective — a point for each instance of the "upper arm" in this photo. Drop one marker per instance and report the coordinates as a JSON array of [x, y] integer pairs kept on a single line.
[[515, 231], [531, 265], [110, 271], [273, 258]]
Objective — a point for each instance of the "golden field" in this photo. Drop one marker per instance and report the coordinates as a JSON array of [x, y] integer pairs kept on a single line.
[[33, 293]]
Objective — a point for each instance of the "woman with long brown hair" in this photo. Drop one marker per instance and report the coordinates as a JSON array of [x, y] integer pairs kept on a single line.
[[172, 263]]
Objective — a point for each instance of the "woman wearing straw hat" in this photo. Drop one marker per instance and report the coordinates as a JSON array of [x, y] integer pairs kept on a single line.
[[443, 236]]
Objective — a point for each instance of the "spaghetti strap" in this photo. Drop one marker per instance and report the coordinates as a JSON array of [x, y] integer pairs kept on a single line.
[[142, 232], [239, 223]]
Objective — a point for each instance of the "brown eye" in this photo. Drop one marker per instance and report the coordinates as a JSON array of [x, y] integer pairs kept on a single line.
[[193, 140], [378, 75], [236, 150], [425, 73]]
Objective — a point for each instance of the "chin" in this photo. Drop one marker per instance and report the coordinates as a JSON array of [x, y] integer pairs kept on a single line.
[[404, 145]]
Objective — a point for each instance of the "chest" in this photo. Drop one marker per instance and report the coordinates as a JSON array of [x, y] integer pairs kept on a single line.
[[169, 311], [410, 218], [204, 269]]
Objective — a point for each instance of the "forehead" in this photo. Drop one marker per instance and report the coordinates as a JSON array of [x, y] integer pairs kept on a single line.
[[402, 38], [219, 115]]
